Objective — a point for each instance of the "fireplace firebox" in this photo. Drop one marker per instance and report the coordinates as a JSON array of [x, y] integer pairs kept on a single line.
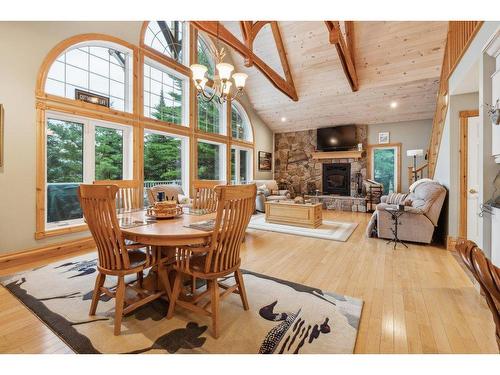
[[337, 178]]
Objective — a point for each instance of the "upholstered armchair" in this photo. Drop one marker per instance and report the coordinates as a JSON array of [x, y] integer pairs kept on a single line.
[[267, 190], [425, 200]]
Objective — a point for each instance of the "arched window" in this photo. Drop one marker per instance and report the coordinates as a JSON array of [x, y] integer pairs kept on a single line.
[[100, 68], [205, 55], [168, 38], [240, 124]]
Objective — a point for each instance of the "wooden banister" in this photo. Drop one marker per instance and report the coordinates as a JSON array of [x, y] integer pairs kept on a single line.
[[422, 172], [460, 34]]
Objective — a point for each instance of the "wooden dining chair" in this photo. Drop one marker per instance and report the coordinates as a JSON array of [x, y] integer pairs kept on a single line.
[[204, 196], [487, 275], [128, 194], [220, 258], [171, 192], [115, 258]]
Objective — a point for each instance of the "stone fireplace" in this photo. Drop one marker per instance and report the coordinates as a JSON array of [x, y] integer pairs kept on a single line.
[[295, 166], [337, 179]]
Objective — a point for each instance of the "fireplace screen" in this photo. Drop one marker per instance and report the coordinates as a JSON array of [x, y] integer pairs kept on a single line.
[[337, 178]]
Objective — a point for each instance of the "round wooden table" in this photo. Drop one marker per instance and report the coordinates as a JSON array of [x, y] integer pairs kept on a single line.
[[167, 232]]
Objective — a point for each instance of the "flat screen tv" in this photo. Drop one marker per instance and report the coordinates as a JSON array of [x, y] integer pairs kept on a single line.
[[337, 138]]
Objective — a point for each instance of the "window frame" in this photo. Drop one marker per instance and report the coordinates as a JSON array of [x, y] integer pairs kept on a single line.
[[237, 163], [222, 160], [186, 32], [185, 151], [128, 74], [244, 115], [89, 126], [185, 88]]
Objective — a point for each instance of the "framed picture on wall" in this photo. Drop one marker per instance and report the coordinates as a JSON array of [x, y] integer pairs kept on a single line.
[[1, 135], [383, 137], [265, 161]]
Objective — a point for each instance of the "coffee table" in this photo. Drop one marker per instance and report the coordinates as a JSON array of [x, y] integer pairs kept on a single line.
[[297, 214]]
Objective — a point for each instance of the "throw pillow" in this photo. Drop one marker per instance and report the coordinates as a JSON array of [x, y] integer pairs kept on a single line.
[[396, 198]]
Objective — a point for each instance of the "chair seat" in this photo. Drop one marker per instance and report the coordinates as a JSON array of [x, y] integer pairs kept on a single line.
[[197, 262], [137, 258]]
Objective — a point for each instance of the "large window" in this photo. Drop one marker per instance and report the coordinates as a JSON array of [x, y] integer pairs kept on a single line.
[[240, 124], [164, 95], [211, 161], [105, 71], [168, 38], [80, 151], [241, 165], [165, 159], [210, 117], [385, 167]]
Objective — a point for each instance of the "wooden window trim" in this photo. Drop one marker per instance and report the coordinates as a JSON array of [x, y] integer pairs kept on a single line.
[[136, 119], [369, 161]]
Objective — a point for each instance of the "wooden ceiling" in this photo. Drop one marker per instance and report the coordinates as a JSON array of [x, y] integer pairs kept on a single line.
[[394, 61]]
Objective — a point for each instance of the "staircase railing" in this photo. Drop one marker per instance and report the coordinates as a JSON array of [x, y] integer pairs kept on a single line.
[[421, 172], [460, 34]]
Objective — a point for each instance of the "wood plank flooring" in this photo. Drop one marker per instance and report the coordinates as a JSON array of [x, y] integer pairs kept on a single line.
[[417, 300]]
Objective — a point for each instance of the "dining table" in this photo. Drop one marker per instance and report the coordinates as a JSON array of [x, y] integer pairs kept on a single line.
[[166, 234], [137, 226]]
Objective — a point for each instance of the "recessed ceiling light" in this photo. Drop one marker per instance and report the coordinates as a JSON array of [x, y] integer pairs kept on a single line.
[[283, 119], [394, 104]]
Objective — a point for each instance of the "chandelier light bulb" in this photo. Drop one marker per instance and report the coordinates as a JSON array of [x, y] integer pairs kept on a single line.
[[224, 70], [198, 71], [239, 80]]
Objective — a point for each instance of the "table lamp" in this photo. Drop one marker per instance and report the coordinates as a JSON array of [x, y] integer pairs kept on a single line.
[[415, 153]]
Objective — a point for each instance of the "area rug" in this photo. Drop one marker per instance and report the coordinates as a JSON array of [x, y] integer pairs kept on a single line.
[[329, 230], [284, 317]]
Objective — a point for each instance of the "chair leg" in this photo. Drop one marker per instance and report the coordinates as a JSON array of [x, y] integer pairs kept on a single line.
[[99, 282], [214, 306], [175, 294], [120, 300], [140, 278], [163, 277], [193, 285], [241, 288]]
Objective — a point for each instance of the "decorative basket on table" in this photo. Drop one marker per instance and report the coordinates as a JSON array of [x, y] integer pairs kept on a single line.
[[164, 210]]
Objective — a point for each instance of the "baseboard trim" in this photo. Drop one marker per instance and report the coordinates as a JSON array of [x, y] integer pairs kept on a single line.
[[32, 255]]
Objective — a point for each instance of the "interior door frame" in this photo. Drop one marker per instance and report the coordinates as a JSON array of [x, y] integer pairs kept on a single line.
[[369, 161], [463, 152]]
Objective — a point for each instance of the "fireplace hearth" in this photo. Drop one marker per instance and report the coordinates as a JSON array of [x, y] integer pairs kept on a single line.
[[337, 178]]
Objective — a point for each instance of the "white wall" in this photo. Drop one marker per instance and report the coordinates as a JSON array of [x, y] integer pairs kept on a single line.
[[24, 45], [412, 135]]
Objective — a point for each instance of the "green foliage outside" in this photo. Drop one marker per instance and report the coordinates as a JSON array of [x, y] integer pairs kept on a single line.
[[208, 161], [384, 160], [108, 154]]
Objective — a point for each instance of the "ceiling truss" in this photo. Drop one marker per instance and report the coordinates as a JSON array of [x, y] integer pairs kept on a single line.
[[250, 30], [345, 48]]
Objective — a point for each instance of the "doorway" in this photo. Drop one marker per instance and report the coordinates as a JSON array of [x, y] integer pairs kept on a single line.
[[384, 166], [469, 175]]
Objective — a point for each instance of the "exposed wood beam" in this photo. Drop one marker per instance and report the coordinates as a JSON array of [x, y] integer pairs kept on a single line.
[[344, 49], [219, 31], [282, 52]]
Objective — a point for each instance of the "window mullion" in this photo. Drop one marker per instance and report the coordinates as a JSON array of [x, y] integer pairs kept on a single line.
[[89, 153]]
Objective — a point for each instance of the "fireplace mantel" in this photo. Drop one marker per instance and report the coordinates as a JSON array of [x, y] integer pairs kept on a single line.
[[337, 155]]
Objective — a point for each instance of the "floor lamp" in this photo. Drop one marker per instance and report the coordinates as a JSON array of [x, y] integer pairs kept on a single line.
[[414, 153]]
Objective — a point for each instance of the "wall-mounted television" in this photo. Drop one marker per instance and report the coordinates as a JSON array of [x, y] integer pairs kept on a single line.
[[337, 138]]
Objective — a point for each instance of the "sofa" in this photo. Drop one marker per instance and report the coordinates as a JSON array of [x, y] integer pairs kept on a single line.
[[423, 207], [268, 191]]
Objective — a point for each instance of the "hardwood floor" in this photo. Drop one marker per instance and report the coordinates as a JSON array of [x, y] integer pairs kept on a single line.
[[417, 300]]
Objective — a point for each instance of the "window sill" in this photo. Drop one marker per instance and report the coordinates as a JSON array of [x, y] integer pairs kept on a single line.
[[61, 231]]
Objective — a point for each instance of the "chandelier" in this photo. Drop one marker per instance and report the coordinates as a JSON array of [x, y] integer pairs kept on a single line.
[[221, 88]]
